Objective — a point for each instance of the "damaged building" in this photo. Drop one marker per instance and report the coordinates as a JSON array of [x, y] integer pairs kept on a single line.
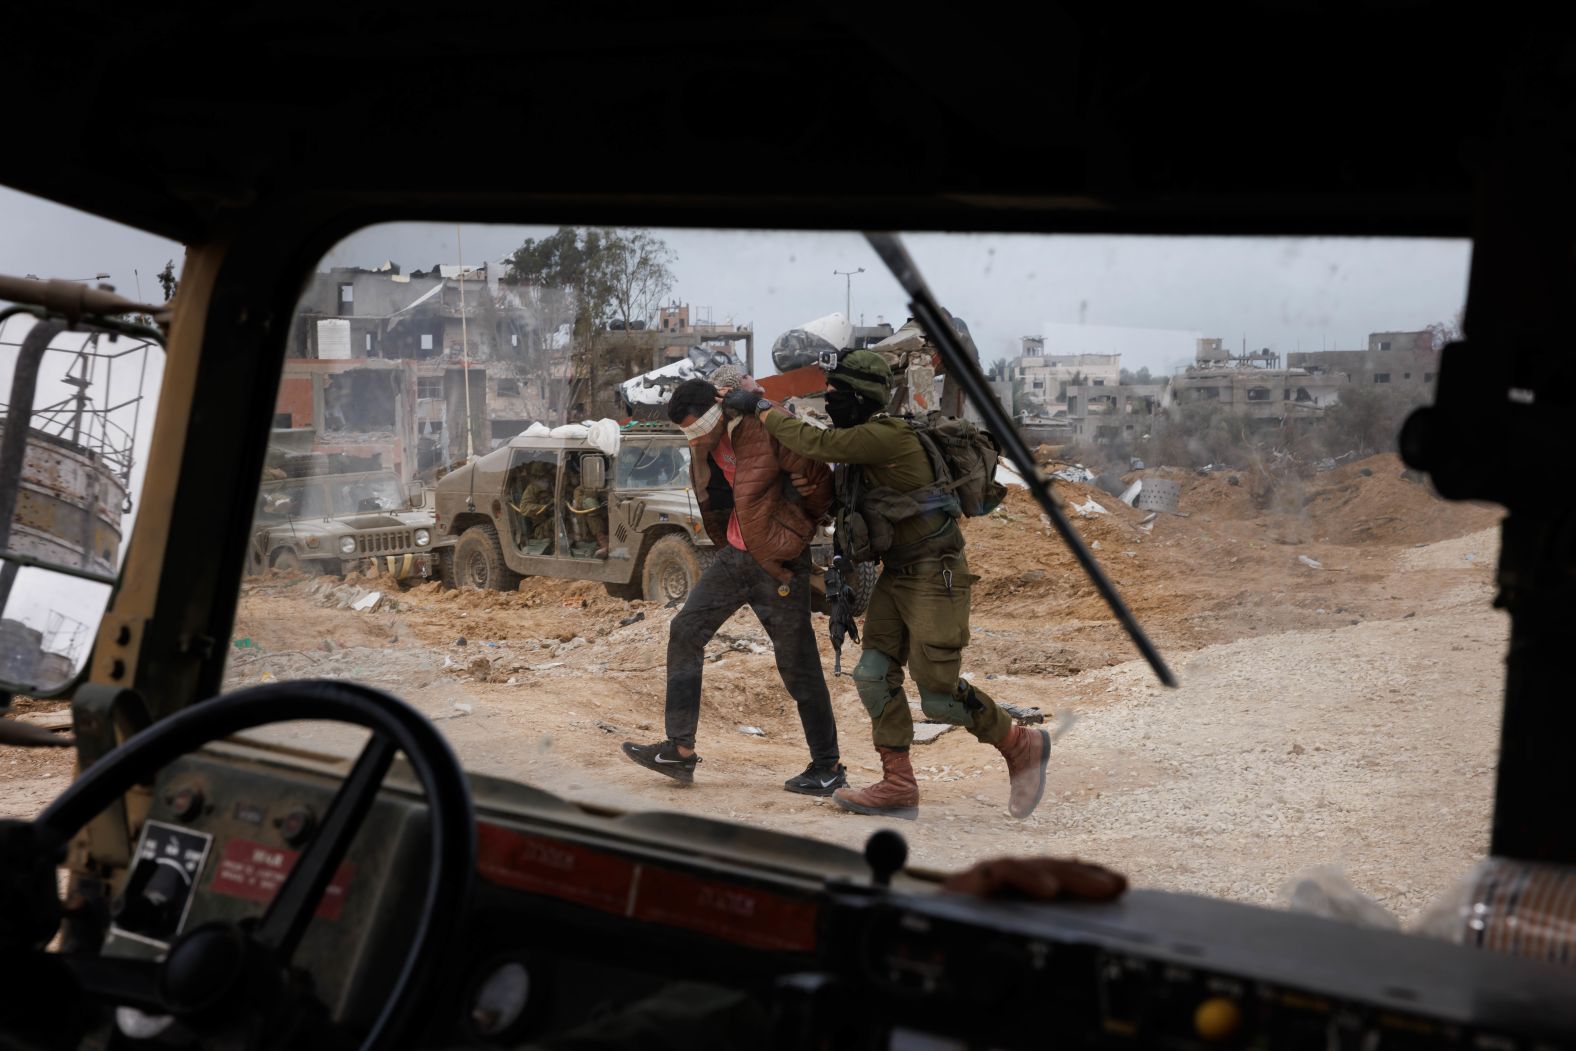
[[1104, 413], [416, 372], [1401, 359], [1039, 381], [1256, 385], [386, 368]]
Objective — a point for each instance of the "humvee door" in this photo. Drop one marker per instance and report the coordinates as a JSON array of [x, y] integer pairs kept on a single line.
[[531, 491]]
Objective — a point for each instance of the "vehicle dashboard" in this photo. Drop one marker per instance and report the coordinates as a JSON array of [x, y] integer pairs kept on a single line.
[[576, 914]]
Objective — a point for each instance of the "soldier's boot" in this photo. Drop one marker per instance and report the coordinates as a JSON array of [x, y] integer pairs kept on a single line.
[[1027, 753], [895, 795]]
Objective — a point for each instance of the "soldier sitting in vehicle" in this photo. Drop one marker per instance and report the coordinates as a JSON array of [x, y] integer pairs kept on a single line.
[[534, 506], [589, 522], [587, 517]]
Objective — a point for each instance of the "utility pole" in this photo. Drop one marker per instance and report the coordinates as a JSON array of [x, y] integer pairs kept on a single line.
[[848, 290], [465, 346]]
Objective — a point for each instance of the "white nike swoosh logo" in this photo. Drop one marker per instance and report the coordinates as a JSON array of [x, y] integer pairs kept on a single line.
[[670, 762], [829, 784]]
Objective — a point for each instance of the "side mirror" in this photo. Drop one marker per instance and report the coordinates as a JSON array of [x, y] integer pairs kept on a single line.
[[593, 471]]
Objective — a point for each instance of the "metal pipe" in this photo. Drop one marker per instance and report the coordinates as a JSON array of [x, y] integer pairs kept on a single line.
[[928, 313], [13, 445], [72, 299]]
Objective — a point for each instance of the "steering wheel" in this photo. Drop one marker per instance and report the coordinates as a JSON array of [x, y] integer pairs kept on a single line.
[[227, 982]]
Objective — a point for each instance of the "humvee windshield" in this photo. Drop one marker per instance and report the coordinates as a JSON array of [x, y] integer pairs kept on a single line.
[[1219, 416], [297, 499], [366, 494], [652, 467]]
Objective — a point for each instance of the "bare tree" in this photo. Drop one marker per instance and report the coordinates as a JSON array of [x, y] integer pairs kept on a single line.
[[1444, 332], [638, 274], [603, 270]]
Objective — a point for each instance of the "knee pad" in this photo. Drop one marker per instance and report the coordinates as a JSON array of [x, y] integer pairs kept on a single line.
[[948, 707], [870, 680]]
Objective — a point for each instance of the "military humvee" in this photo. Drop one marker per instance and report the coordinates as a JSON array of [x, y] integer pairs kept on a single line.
[[334, 523], [513, 514]]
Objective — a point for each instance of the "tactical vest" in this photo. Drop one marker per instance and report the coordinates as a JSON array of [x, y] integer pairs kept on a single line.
[[963, 460]]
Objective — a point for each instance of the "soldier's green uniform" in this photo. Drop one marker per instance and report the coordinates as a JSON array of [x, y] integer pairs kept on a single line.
[[588, 519], [891, 506], [535, 505], [919, 611]]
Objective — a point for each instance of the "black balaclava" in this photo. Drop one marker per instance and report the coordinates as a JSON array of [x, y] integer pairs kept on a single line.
[[848, 409]]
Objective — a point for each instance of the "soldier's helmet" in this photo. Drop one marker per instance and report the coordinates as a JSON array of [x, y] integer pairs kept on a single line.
[[867, 374]]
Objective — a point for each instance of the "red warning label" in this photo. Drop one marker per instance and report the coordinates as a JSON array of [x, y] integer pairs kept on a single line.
[[746, 915], [562, 870], [255, 871]]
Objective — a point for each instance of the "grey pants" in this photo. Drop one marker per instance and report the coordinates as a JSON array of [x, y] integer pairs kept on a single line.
[[731, 581]]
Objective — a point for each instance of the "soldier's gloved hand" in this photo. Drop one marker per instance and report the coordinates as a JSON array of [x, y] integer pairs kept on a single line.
[[1038, 879], [741, 401]]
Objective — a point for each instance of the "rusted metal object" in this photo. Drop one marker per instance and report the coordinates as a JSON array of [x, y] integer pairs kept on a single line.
[[13, 445]]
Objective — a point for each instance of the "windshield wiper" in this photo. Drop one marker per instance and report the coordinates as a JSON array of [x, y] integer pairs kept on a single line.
[[928, 313]]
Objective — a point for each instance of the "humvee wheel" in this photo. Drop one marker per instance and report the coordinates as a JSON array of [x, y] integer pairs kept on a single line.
[[287, 561], [478, 561], [672, 568], [446, 573]]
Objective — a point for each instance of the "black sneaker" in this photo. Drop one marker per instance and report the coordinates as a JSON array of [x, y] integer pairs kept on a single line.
[[818, 780], [664, 758]]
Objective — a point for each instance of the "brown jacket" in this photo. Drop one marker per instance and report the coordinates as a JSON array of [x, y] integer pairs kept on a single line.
[[776, 522]]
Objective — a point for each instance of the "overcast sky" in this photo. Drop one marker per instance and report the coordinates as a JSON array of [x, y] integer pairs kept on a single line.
[[1286, 294]]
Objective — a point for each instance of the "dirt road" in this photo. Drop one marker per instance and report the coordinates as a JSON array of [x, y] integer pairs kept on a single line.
[[1344, 712]]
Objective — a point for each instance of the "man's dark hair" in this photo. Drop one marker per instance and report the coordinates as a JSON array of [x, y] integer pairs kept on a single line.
[[692, 398]]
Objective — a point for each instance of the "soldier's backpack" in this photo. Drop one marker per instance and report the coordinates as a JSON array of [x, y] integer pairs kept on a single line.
[[964, 459]]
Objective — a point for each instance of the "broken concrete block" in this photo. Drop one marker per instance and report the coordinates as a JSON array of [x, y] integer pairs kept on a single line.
[[1026, 715], [1160, 494], [925, 733]]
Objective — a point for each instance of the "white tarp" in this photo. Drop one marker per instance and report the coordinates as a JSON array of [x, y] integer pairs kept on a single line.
[[653, 387], [605, 435], [333, 338], [656, 386], [834, 328]]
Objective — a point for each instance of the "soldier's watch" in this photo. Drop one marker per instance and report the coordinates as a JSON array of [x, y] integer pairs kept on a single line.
[[762, 405]]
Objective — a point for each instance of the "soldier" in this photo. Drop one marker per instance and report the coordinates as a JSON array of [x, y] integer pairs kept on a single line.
[[588, 508], [919, 612], [535, 504]]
